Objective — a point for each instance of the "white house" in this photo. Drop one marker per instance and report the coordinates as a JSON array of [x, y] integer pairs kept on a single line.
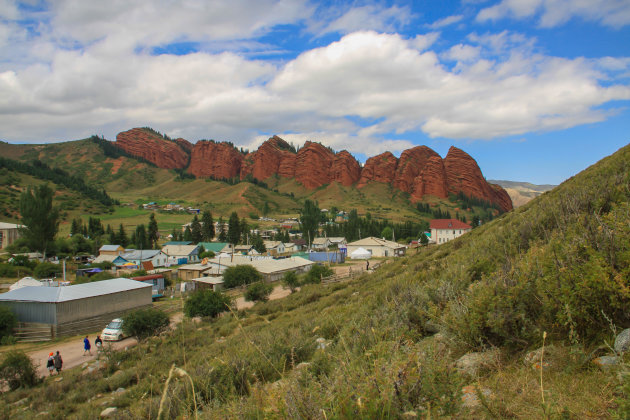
[[181, 254], [274, 247], [378, 247], [444, 230], [138, 256], [9, 232], [338, 241]]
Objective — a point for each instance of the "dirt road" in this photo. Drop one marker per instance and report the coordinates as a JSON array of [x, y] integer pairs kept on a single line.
[[72, 351]]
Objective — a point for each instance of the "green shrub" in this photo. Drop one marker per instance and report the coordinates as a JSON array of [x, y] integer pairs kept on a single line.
[[206, 254], [7, 322], [239, 275], [206, 303], [145, 323], [18, 370], [316, 273], [258, 292], [291, 280], [46, 270]]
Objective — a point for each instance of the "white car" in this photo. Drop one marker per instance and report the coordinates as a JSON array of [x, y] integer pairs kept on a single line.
[[113, 331]]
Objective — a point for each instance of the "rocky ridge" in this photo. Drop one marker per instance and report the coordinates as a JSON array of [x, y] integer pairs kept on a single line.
[[419, 171]]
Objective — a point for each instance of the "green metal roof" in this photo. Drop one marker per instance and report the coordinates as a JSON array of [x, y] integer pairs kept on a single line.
[[215, 247]]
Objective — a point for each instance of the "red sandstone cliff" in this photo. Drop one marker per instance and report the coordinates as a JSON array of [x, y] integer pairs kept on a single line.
[[312, 165], [420, 171], [380, 168], [152, 147], [215, 160], [463, 175], [410, 165], [274, 156]]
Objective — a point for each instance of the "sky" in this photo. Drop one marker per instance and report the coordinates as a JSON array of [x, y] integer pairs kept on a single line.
[[534, 90]]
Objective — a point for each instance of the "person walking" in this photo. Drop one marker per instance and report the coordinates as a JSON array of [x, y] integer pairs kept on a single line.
[[99, 345], [58, 362], [50, 364], [86, 346]]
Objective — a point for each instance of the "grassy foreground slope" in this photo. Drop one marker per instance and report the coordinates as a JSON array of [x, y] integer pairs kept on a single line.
[[371, 348]]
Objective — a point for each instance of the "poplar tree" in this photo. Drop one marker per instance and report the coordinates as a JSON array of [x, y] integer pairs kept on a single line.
[[40, 218]]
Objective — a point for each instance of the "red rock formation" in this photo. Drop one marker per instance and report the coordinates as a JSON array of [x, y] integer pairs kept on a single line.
[[410, 164], [380, 168], [312, 165], [215, 160], [463, 174], [345, 169], [184, 144], [431, 180], [152, 147], [268, 159]]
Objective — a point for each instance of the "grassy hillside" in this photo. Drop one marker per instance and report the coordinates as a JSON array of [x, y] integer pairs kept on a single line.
[[386, 344]]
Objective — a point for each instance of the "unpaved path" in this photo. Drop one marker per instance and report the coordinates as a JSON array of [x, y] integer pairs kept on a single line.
[[72, 352], [278, 292]]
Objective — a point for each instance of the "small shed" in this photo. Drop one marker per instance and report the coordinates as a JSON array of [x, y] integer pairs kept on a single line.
[[208, 283], [77, 309]]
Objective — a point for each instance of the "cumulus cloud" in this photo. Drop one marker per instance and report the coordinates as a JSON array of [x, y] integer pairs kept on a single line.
[[368, 17], [350, 94], [614, 13]]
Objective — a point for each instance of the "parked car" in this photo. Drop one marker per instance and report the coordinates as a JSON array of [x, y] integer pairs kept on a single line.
[[113, 331]]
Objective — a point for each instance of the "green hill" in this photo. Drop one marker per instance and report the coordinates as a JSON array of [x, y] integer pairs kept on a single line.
[[385, 345]]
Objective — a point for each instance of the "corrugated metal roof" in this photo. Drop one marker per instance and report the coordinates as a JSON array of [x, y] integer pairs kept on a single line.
[[141, 254], [448, 224], [74, 292], [264, 265], [109, 248], [373, 241], [4, 225], [180, 250]]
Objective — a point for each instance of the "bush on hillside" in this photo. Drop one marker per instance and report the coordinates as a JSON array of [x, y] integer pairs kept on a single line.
[[145, 323], [258, 292], [239, 275], [291, 280], [7, 322], [18, 370], [316, 273], [206, 303]]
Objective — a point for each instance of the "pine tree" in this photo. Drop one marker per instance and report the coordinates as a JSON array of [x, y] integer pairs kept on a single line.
[[207, 226], [195, 229], [309, 220], [153, 235], [142, 240], [234, 232], [40, 218], [258, 243], [77, 226], [222, 233], [121, 238], [244, 228], [187, 234]]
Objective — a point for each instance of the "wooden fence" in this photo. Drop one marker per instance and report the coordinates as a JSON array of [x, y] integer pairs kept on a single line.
[[31, 331]]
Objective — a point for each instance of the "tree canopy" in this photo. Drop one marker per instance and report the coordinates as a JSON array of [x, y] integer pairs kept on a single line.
[[40, 218], [234, 229], [207, 226], [310, 216], [239, 275]]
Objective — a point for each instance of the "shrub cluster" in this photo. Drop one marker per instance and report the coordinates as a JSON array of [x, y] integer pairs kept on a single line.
[[206, 303], [145, 323]]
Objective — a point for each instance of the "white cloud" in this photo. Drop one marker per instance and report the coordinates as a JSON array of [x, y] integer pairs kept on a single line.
[[369, 17], [349, 94], [447, 21], [615, 13]]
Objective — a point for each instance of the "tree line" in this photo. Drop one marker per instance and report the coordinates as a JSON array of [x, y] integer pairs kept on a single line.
[[41, 170]]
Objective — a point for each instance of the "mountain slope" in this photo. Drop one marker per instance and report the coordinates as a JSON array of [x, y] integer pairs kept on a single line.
[[369, 349], [522, 192]]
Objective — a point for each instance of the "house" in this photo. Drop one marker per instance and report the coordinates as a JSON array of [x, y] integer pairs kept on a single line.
[[139, 256], [320, 244], [377, 247], [274, 247], [156, 281], [8, 234], [208, 283], [192, 271], [271, 269], [181, 254], [245, 250], [444, 230], [290, 247], [76, 309], [111, 250], [216, 247], [337, 241], [109, 258], [300, 244]]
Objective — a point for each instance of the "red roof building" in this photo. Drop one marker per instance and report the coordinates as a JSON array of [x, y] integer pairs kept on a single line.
[[444, 230]]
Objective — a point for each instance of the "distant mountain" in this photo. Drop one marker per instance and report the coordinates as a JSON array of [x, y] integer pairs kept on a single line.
[[419, 171], [522, 192]]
